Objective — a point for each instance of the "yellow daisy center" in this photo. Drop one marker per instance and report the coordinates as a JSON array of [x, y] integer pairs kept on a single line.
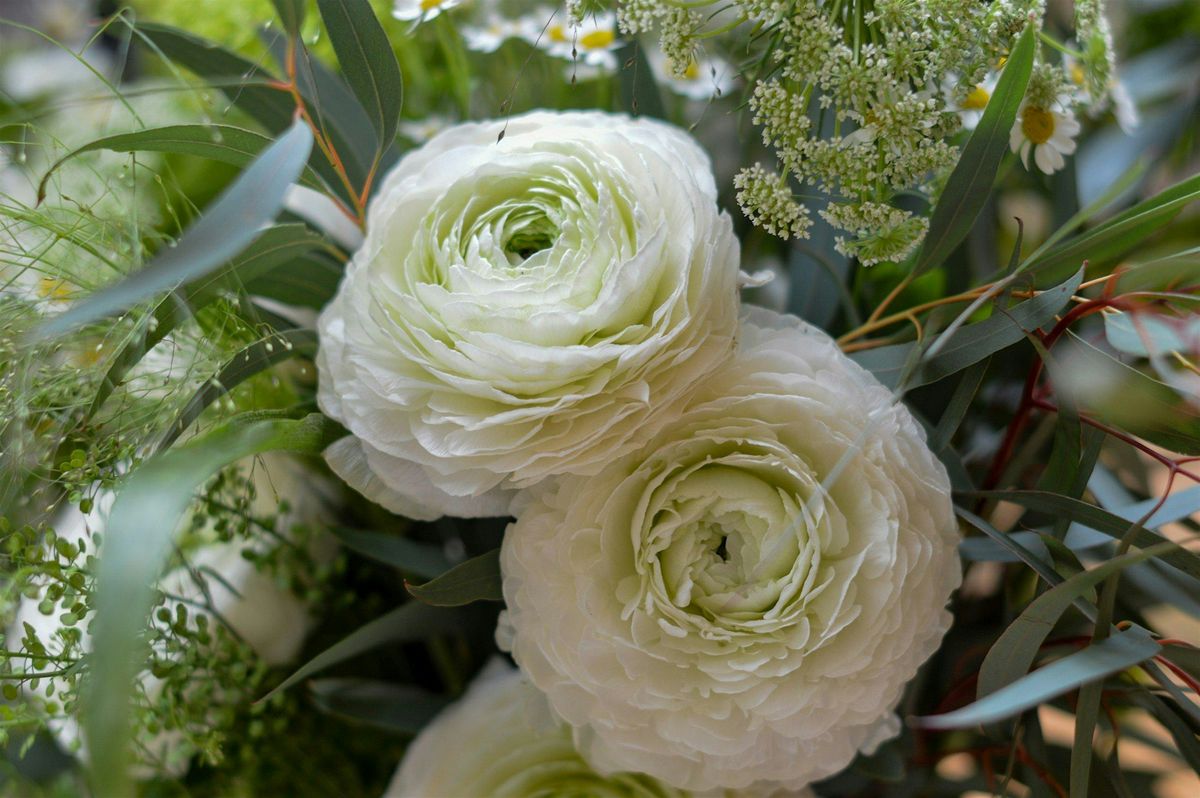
[[557, 33], [429, 5], [597, 40], [52, 288], [1037, 124], [1077, 76], [977, 99]]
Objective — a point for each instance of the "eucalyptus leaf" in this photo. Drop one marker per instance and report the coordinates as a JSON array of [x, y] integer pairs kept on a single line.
[[224, 143], [291, 14], [1098, 519], [1115, 654], [409, 622], [399, 708], [969, 344], [1107, 242], [419, 559], [367, 61], [245, 83], [970, 183], [477, 579], [257, 357], [1011, 656], [232, 222]]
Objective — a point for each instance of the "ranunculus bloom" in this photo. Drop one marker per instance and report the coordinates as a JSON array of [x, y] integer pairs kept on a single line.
[[500, 740], [741, 602], [524, 307], [217, 582]]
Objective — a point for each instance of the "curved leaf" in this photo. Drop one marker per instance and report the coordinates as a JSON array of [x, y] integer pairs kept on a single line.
[[970, 183], [367, 61], [412, 621], [1113, 655], [141, 527], [477, 579], [970, 344], [225, 143], [1011, 656], [259, 356], [419, 559], [232, 222], [400, 708]]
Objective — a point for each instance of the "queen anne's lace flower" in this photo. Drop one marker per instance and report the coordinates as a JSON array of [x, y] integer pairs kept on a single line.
[[501, 740], [534, 297], [741, 603]]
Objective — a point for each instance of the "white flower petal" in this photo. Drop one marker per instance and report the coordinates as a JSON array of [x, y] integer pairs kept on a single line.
[[526, 305], [740, 604]]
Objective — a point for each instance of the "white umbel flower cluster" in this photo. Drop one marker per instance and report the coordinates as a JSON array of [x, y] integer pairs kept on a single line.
[[739, 605], [534, 297], [865, 102]]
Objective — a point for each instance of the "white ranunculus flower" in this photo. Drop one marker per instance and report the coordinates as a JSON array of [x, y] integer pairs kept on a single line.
[[534, 297], [501, 740], [741, 603], [270, 620]]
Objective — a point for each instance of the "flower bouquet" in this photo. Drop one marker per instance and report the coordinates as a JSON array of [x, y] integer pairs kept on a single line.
[[470, 398]]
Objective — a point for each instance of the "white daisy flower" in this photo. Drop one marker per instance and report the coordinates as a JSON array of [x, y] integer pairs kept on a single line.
[[488, 36], [969, 104], [1048, 132], [704, 78], [421, 10], [1124, 107], [419, 131], [594, 41]]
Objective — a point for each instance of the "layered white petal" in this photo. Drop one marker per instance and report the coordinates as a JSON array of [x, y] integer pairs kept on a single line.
[[500, 740], [534, 297], [740, 604]]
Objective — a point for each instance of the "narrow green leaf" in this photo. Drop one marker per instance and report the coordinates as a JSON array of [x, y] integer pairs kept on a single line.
[[477, 579], [248, 86], [1107, 242], [970, 344], [1098, 519], [960, 402], [291, 14], [335, 109], [309, 281], [367, 61], [1080, 537], [970, 183], [1022, 547], [141, 527], [1185, 738], [412, 621], [1087, 711], [399, 708], [224, 143], [276, 246], [257, 357], [241, 80], [1122, 650], [232, 222], [1011, 656], [258, 266], [419, 559]]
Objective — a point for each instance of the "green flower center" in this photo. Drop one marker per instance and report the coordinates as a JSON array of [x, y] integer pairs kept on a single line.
[[529, 233]]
